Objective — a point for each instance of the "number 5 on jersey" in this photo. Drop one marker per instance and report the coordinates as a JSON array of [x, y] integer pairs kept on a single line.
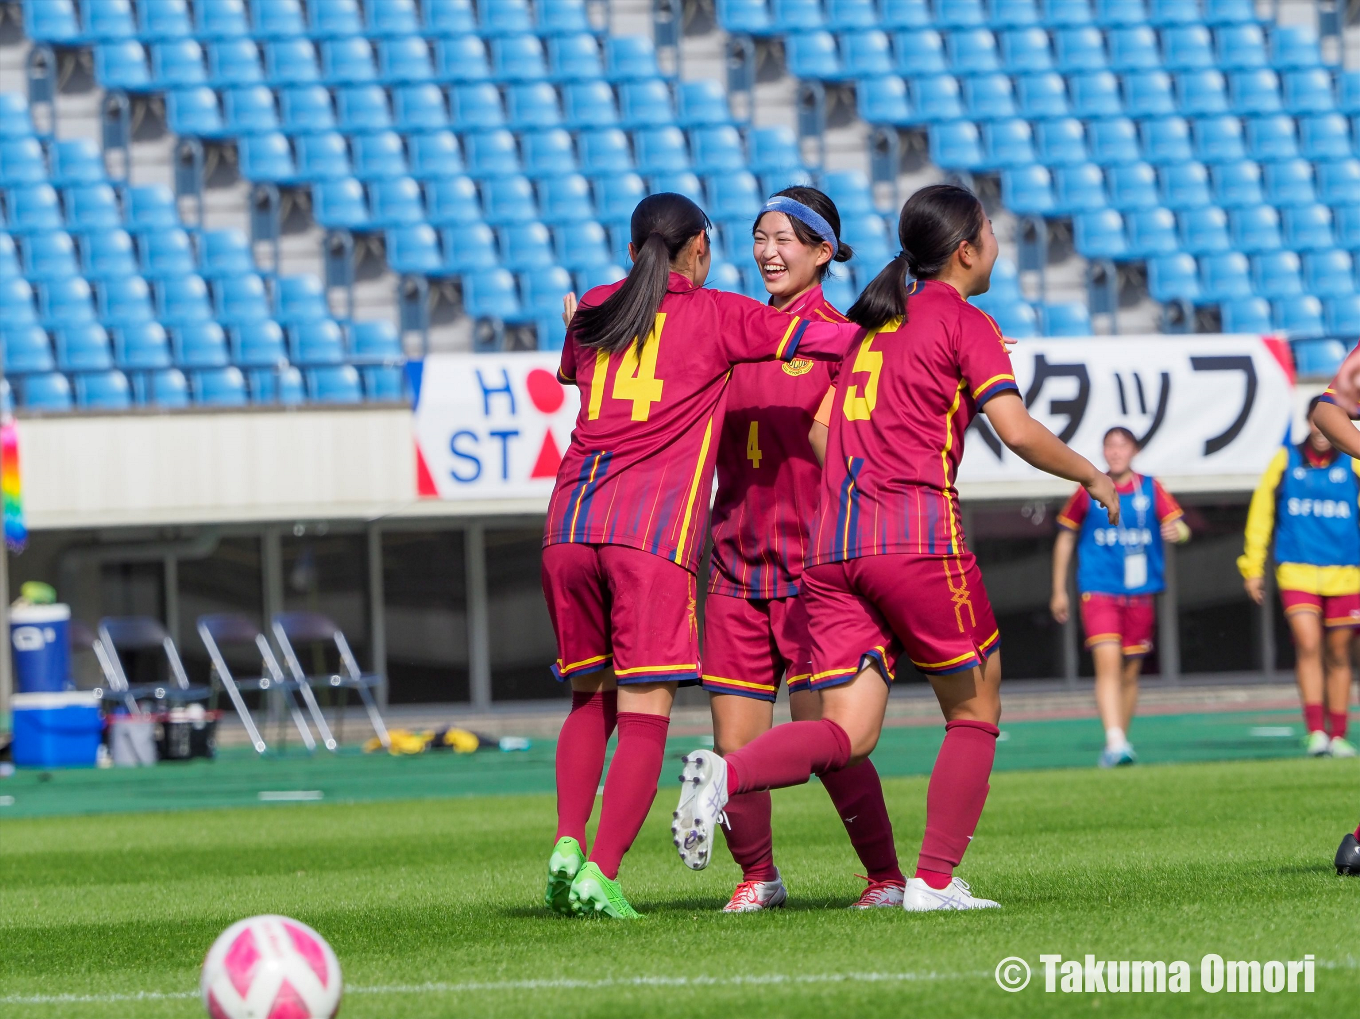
[[868, 360], [635, 380]]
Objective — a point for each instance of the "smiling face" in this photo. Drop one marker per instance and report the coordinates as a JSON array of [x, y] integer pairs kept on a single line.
[[787, 265], [1119, 453]]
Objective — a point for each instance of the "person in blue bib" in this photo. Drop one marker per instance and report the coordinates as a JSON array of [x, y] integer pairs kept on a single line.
[[1308, 502], [1120, 572]]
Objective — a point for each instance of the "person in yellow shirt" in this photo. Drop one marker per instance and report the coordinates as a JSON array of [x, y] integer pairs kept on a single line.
[[1305, 512]]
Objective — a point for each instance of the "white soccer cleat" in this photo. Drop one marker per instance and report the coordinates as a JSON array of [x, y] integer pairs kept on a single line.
[[703, 794], [1318, 744], [921, 898], [754, 896], [880, 894], [1341, 747]]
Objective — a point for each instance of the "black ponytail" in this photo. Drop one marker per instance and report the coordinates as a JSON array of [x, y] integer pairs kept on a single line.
[[933, 223], [661, 227], [821, 204]]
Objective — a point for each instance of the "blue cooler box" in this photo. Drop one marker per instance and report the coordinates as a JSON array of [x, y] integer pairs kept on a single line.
[[56, 730], [41, 638]]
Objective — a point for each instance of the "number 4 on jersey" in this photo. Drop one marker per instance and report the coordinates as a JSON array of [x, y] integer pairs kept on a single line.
[[636, 379], [753, 452]]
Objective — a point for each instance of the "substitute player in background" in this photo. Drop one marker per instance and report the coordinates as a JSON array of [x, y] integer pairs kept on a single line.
[[1120, 572], [1305, 512], [889, 572], [755, 625], [628, 516]]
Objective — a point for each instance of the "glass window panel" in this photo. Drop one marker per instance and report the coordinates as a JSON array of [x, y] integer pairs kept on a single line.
[[425, 613]]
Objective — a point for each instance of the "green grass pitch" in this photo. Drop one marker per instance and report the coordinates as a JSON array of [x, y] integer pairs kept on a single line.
[[432, 906]]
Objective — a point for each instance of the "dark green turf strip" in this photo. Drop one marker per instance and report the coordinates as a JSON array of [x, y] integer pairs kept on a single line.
[[238, 777]]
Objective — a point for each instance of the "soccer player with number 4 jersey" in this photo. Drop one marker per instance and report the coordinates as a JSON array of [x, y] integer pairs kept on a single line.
[[628, 517], [889, 574], [755, 624]]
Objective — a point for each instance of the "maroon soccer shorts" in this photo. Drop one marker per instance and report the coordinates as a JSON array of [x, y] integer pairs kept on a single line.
[[1125, 619], [933, 609], [750, 644], [1336, 610], [620, 605]]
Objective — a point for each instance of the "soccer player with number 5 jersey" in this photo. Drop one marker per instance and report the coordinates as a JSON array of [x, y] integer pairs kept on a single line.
[[628, 517], [755, 624], [889, 573]]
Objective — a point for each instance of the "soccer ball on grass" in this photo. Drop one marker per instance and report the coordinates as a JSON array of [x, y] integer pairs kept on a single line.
[[270, 967]]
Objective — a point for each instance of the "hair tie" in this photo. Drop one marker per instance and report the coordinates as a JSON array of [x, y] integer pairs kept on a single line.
[[804, 214]]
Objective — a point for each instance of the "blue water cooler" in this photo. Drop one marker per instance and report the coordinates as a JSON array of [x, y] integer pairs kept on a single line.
[[41, 638], [56, 730]]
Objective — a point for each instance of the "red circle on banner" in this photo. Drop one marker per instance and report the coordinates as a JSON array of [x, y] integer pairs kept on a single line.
[[545, 391]]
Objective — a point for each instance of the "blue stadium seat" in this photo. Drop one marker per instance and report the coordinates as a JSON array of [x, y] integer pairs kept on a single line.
[[1324, 136], [1342, 316], [249, 109], [1294, 47], [1042, 95], [682, 182], [518, 58], [178, 64], [936, 99], [616, 195], [490, 293], [378, 156], [199, 345], [395, 202], [476, 106], [83, 346], [124, 300], [103, 391], [377, 340], [9, 259], [812, 55], [1256, 91], [194, 112], [1113, 141], [92, 207], [959, 13], [339, 204], [731, 195], [1289, 182], [796, 15], [1071, 318], [956, 145], [574, 58], [219, 387], [419, 108], [347, 61], [1219, 140], [1318, 358], [1173, 277], [1025, 51], [1099, 234], [1241, 46], [865, 53], [702, 103], [1204, 231], [1246, 315], [69, 301], [508, 200], [717, 149], [1079, 188], [1308, 90], [47, 392], [306, 108], [1272, 137], [750, 17], [1238, 185], [391, 18], [1225, 276], [884, 101], [299, 298], [1166, 140], [434, 154], [15, 121], [27, 349], [16, 302], [1012, 13], [1308, 228], [33, 208], [404, 59], [108, 254], [221, 19], [589, 104], [22, 162], [315, 341], [1255, 229], [583, 246], [1277, 274], [773, 152], [241, 299], [645, 103], [850, 190], [868, 235], [1028, 190], [51, 21], [1017, 320], [547, 153], [1132, 186], [1165, 13], [560, 17], [233, 62], [507, 17], [266, 157], [167, 388], [564, 199], [1133, 49], [1079, 48], [258, 344], [532, 105], [291, 62], [1337, 181], [1061, 142], [1008, 143], [629, 57], [362, 108], [1329, 273], [460, 59], [142, 347], [921, 53], [1150, 232], [528, 245], [1187, 48], [972, 51], [103, 20], [898, 14], [78, 161], [1120, 12], [603, 275], [1346, 225], [989, 97], [1148, 93], [335, 384], [325, 156], [660, 150], [1299, 317], [469, 247], [1186, 185], [604, 152], [50, 256], [1095, 94]]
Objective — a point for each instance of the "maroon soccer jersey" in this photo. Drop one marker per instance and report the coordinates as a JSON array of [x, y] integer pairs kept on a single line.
[[768, 476], [905, 396], [639, 468]]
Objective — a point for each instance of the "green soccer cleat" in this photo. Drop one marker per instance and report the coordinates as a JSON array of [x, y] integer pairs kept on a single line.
[[593, 894], [563, 866]]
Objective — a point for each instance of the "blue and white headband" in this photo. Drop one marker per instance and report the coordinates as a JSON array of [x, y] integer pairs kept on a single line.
[[800, 212]]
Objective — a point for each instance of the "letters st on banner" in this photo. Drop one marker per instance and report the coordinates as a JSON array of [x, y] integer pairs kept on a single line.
[[494, 426]]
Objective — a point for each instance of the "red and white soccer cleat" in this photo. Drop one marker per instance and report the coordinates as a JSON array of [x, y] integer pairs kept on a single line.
[[878, 894], [753, 896]]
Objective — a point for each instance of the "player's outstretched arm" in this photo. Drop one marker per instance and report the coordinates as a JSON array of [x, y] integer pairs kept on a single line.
[[1336, 424], [1038, 447]]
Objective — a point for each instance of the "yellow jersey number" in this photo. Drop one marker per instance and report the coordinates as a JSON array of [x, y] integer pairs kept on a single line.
[[753, 452], [859, 407], [635, 380]]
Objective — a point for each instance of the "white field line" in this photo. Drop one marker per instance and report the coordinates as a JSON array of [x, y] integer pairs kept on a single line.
[[439, 987]]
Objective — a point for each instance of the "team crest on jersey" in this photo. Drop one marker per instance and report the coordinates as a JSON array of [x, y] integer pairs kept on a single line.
[[1300, 473], [1336, 475], [1141, 503], [798, 366]]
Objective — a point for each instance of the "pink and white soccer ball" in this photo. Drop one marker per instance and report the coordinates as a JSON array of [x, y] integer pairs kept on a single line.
[[271, 967]]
